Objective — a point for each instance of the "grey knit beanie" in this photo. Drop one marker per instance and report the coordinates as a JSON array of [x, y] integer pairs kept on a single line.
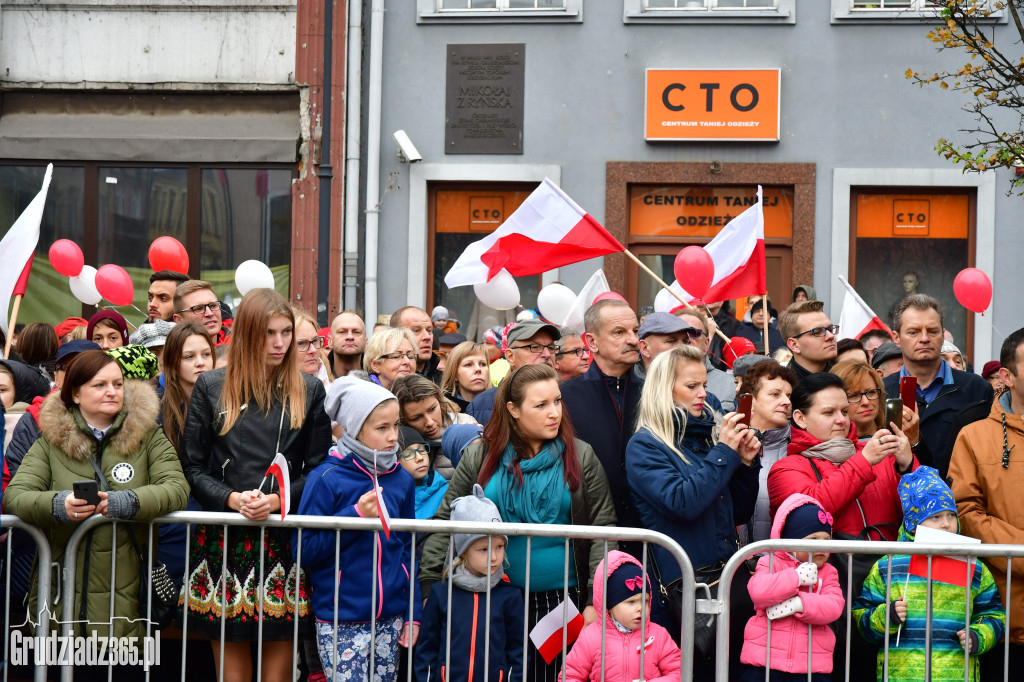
[[350, 401], [473, 507]]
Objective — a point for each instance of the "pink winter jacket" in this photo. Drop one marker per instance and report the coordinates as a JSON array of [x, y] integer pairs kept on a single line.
[[822, 605], [621, 651]]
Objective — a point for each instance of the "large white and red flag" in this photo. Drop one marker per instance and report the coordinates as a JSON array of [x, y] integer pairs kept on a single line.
[[547, 231], [857, 316], [738, 254], [18, 245]]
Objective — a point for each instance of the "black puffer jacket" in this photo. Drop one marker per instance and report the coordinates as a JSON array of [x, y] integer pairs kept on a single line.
[[217, 466]]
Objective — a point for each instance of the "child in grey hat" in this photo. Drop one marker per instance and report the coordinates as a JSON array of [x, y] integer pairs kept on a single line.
[[476, 573]]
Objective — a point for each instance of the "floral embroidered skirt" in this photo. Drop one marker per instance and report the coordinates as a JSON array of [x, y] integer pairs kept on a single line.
[[280, 589]]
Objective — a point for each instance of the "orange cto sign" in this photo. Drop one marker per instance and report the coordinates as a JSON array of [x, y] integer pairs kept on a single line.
[[713, 105]]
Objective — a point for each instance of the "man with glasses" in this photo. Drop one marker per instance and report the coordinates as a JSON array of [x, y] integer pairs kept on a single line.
[[194, 300], [720, 386], [603, 402], [573, 358], [942, 391], [529, 343], [810, 336]]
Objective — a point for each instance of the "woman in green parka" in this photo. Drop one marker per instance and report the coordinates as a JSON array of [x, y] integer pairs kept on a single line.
[[99, 417]]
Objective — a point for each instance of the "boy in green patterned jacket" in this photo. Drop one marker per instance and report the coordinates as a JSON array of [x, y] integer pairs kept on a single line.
[[927, 501]]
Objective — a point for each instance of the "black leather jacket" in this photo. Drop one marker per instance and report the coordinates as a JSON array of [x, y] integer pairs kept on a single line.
[[217, 466]]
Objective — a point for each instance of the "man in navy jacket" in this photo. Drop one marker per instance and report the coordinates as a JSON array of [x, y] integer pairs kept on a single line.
[[941, 390]]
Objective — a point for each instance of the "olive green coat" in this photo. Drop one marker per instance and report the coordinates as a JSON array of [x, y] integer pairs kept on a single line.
[[62, 456]]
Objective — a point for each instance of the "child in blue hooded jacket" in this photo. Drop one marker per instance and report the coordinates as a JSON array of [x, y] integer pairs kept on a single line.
[[927, 501], [344, 486]]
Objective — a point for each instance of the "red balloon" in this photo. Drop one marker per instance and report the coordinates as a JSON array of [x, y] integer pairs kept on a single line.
[[694, 270], [167, 253], [66, 258], [608, 296], [973, 289], [115, 285]]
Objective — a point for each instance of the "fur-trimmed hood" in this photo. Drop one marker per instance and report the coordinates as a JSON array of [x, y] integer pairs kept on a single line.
[[67, 430]]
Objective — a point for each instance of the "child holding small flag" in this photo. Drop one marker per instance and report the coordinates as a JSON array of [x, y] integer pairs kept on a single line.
[[928, 503], [361, 478], [477, 574], [796, 595], [620, 597]]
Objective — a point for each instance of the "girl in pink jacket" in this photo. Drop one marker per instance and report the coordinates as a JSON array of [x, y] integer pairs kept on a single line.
[[797, 595], [624, 611]]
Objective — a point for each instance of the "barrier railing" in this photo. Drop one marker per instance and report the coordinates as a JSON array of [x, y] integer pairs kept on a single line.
[[605, 534], [876, 549], [41, 618]]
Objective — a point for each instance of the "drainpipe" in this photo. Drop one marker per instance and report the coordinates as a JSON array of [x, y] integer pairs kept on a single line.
[[353, 91], [325, 173], [373, 160]]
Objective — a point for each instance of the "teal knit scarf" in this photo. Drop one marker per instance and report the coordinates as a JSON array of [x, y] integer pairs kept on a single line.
[[540, 496]]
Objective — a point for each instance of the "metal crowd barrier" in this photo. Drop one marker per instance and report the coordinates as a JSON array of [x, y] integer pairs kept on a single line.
[[226, 521], [42, 615], [883, 550]]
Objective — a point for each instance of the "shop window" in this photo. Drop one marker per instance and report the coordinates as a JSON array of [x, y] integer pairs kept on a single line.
[[433, 11], [459, 216], [724, 11], [912, 242], [665, 218]]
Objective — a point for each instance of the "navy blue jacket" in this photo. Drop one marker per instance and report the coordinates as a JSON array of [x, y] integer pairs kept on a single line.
[[481, 407], [937, 418], [333, 489], [755, 334], [697, 504], [606, 428], [469, 623]]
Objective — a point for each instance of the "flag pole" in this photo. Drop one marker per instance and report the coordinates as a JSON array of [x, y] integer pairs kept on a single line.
[[10, 328], [670, 290], [767, 314]]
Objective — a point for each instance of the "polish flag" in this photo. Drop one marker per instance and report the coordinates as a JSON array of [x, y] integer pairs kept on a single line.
[[279, 470], [738, 254], [18, 246], [857, 317], [547, 231], [954, 570], [546, 635], [382, 509]]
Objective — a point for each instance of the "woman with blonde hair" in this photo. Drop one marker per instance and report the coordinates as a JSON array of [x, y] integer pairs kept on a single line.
[[390, 353], [466, 373], [692, 479], [238, 419]]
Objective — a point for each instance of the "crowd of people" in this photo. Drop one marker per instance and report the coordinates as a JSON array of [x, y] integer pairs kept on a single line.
[[636, 421]]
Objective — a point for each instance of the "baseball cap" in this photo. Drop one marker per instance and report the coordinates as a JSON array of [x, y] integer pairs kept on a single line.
[[74, 347], [525, 331]]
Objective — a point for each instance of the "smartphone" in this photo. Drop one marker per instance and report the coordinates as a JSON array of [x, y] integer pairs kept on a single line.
[[908, 391], [88, 491], [744, 404], [894, 412]]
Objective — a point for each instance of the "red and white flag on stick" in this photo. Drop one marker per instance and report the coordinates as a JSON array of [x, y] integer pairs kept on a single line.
[[279, 470], [18, 245], [857, 317], [382, 509], [547, 231], [546, 635], [954, 570]]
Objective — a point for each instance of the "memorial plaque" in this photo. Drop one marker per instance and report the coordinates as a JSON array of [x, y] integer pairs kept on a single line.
[[484, 99]]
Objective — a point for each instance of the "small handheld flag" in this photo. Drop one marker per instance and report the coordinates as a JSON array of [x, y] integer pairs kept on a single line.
[[546, 635], [279, 470], [953, 570], [382, 509]]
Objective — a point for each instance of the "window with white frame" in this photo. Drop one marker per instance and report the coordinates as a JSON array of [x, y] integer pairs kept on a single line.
[[709, 11], [855, 11], [485, 11]]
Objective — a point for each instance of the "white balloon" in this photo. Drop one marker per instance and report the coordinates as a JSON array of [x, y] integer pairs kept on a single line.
[[555, 301], [253, 274], [84, 286], [501, 293]]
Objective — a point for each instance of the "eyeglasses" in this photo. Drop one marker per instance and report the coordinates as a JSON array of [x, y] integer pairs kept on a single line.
[[398, 356], [304, 344], [214, 306], [537, 349], [857, 397], [412, 452], [820, 331], [581, 352], [694, 333]]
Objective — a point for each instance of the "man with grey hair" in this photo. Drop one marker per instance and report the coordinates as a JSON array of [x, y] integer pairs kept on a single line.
[[573, 356], [603, 402], [941, 390]]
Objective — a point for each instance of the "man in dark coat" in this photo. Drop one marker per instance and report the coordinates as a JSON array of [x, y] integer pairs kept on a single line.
[[941, 390], [603, 402], [810, 336]]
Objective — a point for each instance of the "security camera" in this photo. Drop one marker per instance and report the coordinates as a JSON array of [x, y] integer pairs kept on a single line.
[[406, 149]]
